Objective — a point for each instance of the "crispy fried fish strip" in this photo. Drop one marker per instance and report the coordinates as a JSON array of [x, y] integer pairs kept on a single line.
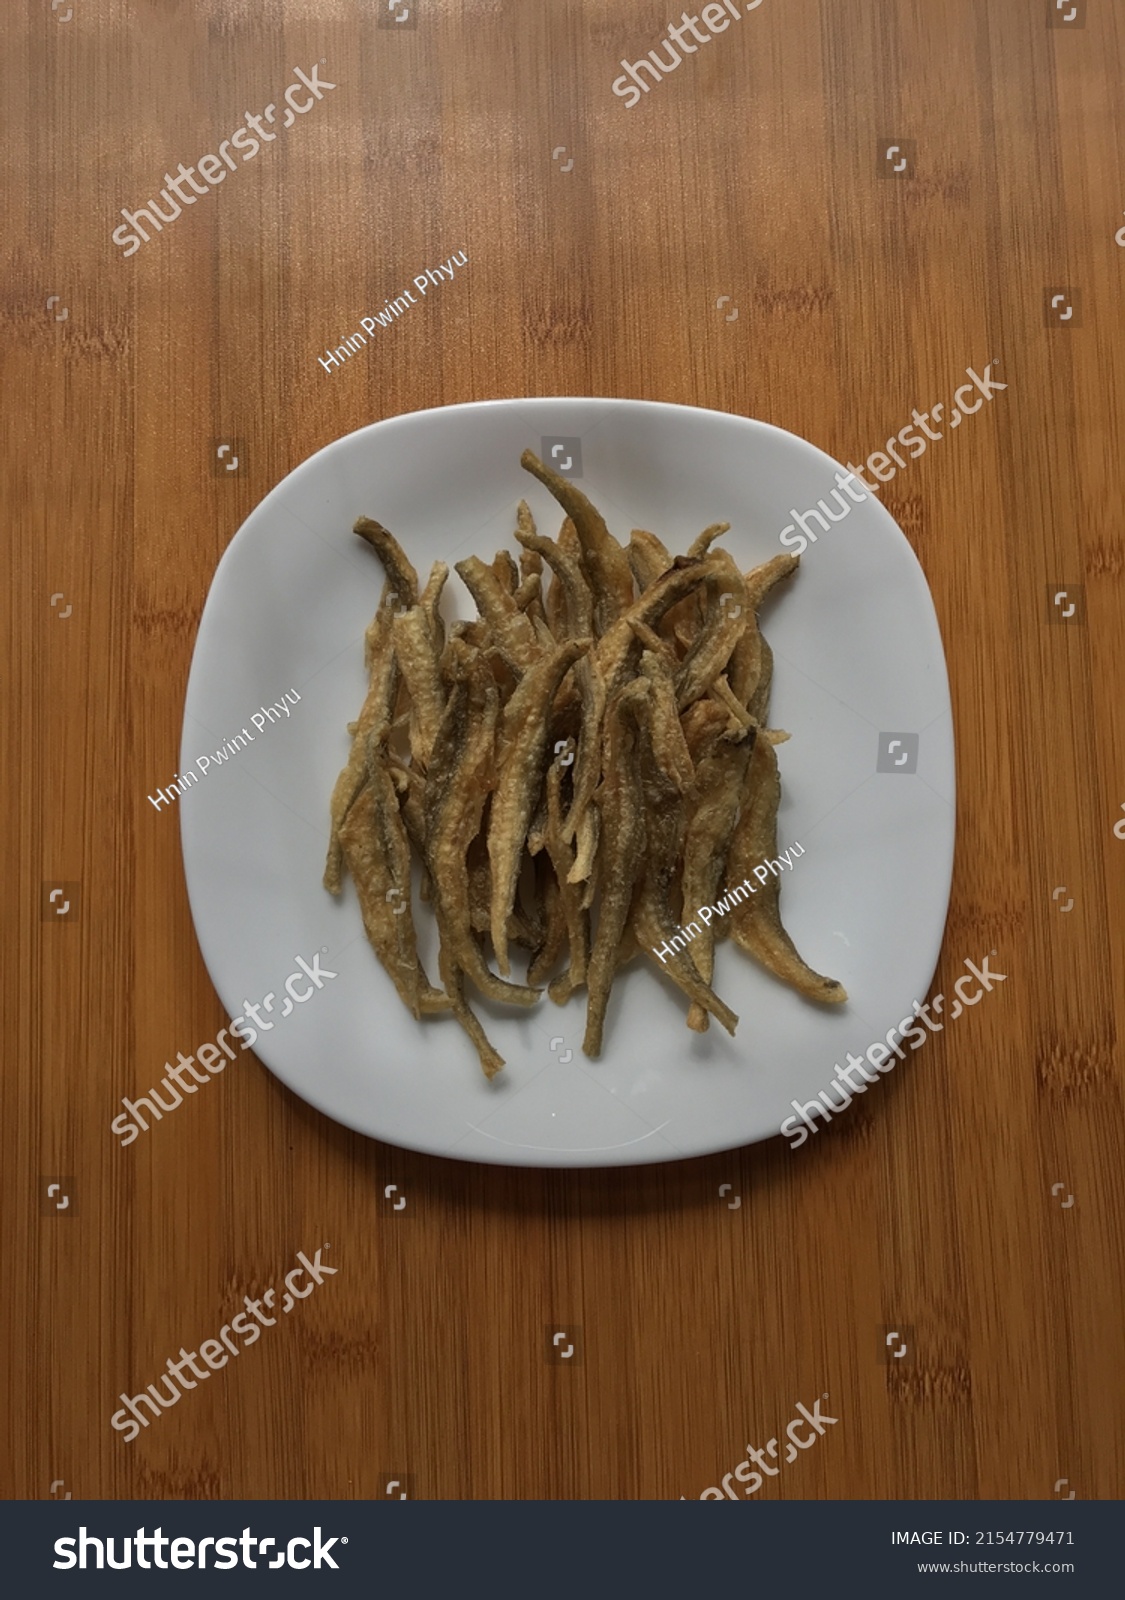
[[575, 915], [724, 626], [759, 706], [396, 564], [553, 939], [454, 980], [653, 922], [702, 542], [603, 559], [755, 924], [665, 734], [512, 633], [745, 668], [713, 803], [411, 787], [521, 930], [530, 560], [418, 662], [761, 579], [399, 591], [620, 807], [576, 620], [649, 558], [610, 662], [430, 600], [615, 649], [536, 837], [378, 707], [531, 566], [505, 571], [379, 627], [458, 781], [588, 756], [702, 723], [721, 692], [522, 744], [651, 640], [570, 615], [529, 591], [377, 853], [586, 855], [555, 610]]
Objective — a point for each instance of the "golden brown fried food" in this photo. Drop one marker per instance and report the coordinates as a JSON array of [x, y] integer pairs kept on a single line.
[[576, 771], [570, 609], [648, 557], [400, 591], [622, 831], [665, 731], [519, 777], [720, 779], [396, 564], [724, 625], [513, 633], [575, 914], [702, 542], [459, 780], [653, 921], [419, 663], [755, 924], [553, 938], [751, 664], [605, 562], [430, 599], [506, 571], [619, 647], [377, 852]]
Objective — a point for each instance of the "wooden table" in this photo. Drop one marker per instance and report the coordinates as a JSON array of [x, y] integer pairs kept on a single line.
[[973, 1199]]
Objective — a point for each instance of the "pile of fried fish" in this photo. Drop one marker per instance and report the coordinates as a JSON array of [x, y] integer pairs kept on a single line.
[[576, 770]]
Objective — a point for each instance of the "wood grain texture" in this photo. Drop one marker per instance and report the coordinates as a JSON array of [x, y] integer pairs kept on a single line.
[[751, 172]]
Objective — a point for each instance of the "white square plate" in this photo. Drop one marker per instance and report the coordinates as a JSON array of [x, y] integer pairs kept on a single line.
[[857, 654]]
